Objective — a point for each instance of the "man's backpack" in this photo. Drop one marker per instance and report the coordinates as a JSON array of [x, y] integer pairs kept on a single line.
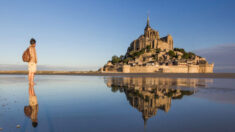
[[26, 55]]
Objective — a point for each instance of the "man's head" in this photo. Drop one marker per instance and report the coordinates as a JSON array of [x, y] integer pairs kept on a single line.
[[33, 41], [34, 124]]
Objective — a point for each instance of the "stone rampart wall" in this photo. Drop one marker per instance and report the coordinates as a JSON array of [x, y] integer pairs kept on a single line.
[[174, 69], [139, 69], [205, 68]]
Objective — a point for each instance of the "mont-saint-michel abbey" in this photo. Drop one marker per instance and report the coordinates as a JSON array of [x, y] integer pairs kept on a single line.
[[152, 53], [152, 39]]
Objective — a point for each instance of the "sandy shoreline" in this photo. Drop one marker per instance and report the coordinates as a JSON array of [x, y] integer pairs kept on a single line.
[[171, 75]]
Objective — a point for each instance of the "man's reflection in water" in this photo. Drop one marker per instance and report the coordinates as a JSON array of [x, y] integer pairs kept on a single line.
[[31, 110]]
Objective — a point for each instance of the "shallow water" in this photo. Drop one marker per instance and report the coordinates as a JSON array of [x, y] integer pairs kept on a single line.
[[91, 103]]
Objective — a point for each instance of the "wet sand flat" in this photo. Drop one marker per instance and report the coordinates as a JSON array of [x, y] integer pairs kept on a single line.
[[171, 75], [101, 103]]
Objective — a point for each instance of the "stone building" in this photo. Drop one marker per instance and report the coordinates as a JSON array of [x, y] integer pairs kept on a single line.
[[150, 53], [151, 38]]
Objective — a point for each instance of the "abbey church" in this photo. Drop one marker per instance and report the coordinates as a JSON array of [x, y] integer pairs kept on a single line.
[[152, 53], [151, 38]]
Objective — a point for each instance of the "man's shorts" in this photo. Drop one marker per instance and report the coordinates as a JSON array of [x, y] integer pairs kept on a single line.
[[32, 67]]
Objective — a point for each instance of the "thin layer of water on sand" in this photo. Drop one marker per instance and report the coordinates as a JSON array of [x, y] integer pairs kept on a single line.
[[96, 103]]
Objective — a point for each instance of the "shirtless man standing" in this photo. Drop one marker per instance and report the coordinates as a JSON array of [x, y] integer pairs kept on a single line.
[[32, 65]]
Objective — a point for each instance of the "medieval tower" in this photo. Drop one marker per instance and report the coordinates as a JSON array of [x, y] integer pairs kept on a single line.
[[151, 38]]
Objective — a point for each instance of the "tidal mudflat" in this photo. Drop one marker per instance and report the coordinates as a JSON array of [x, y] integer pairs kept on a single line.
[[106, 103]]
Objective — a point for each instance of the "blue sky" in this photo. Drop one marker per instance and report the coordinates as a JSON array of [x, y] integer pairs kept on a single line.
[[87, 33]]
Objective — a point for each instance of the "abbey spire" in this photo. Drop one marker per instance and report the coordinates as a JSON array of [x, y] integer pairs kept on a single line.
[[147, 25], [148, 21]]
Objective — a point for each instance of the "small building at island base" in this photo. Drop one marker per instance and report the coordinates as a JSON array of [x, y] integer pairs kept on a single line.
[[201, 68]]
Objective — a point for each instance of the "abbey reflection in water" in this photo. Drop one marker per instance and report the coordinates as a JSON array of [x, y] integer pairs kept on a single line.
[[150, 94]]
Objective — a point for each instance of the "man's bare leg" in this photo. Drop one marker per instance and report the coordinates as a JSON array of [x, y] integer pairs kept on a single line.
[[33, 77], [31, 89], [29, 77]]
